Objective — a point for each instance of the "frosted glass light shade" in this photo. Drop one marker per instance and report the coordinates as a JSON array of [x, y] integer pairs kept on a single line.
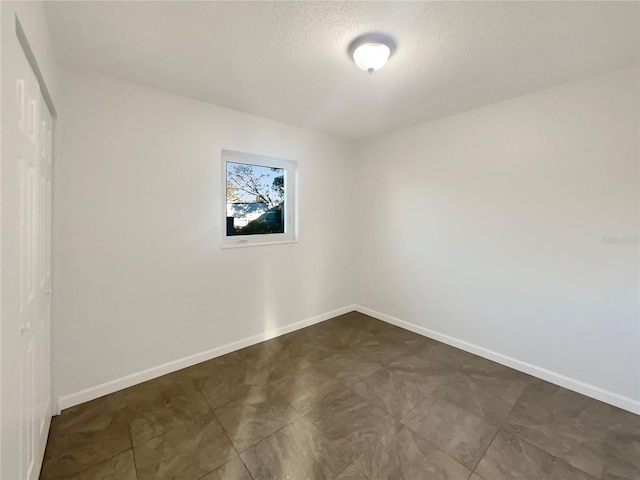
[[370, 52], [371, 56]]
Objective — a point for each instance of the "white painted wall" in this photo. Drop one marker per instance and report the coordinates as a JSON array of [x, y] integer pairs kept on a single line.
[[488, 227], [141, 279]]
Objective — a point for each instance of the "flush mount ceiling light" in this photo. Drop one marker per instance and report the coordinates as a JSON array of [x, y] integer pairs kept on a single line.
[[370, 52]]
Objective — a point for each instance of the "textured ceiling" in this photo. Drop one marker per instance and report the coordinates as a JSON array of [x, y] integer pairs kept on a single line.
[[288, 60]]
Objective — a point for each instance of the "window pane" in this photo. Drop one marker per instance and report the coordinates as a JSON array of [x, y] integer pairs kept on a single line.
[[255, 199]]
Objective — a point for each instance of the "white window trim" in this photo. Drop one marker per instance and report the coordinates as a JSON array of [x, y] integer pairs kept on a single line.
[[290, 201]]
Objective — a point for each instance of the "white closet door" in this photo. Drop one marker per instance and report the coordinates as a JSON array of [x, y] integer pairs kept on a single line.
[[26, 275]]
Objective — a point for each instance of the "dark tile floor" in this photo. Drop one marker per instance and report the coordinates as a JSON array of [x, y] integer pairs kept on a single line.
[[351, 398]]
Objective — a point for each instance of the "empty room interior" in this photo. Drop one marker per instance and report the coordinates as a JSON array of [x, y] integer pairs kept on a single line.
[[320, 240]]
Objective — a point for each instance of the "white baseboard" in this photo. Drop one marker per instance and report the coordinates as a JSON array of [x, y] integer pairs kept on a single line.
[[112, 386], [592, 391]]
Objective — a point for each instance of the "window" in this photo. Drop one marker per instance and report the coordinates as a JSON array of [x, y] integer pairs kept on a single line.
[[259, 199]]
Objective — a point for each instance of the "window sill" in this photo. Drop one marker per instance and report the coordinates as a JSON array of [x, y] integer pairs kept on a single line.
[[256, 244]]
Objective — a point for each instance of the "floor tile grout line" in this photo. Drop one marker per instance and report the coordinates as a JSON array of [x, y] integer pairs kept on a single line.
[[211, 411], [352, 464], [181, 424], [259, 386], [375, 441], [516, 435], [513, 434], [439, 386], [133, 453], [232, 446], [225, 463], [260, 441], [429, 394], [246, 468], [215, 416], [250, 386], [224, 430], [303, 415], [254, 444], [493, 439], [504, 419], [383, 408], [438, 447], [93, 465], [500, 428], [381, 365], [206, 400]]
